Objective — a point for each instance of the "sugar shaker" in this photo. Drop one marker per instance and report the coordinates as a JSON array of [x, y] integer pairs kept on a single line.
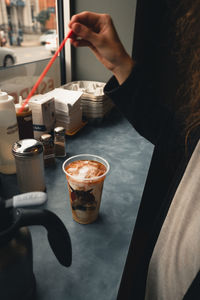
[[29, 161]]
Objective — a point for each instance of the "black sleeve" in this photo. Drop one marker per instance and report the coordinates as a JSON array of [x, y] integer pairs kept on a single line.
[[136, 99]]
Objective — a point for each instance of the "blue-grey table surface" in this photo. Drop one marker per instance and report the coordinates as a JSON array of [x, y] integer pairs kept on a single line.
[[99, 249]]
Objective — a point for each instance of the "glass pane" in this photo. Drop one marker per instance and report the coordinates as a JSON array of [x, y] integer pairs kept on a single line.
[[28, 38], [27, 30], [19, 80]]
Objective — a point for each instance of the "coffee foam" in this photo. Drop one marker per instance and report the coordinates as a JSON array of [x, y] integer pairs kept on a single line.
[[85, 169]]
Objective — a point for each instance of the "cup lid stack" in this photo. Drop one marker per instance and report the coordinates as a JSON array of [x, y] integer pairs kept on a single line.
[[95, 104]]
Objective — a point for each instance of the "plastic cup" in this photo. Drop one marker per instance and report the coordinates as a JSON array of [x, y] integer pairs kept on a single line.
[[85, 192]]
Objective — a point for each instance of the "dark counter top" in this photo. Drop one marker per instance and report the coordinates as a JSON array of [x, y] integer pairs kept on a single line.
[[99, 249]]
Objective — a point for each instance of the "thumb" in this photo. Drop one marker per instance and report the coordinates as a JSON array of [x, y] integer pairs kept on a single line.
[[84, 32]]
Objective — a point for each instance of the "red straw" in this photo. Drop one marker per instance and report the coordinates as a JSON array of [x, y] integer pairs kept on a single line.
[[45, 71]]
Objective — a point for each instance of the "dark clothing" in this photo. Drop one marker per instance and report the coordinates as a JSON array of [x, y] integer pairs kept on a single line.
[[137, 99], [154, 46], [148, 100]]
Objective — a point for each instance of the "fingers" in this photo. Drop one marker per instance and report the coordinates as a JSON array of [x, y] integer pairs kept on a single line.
[[84, 32], [86, 18], [80, 43]]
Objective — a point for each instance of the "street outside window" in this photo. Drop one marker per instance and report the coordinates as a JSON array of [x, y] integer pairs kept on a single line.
[[27, 31]]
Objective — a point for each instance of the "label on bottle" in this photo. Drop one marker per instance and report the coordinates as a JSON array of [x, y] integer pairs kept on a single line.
[[27, 119], [37, 127], [12, 129]]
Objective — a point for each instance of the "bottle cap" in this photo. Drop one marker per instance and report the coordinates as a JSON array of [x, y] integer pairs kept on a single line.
[[5, 96], [46, 137], [59, 130], [19, 105]]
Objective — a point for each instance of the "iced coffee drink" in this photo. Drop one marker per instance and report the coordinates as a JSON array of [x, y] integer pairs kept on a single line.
[[85, 176]]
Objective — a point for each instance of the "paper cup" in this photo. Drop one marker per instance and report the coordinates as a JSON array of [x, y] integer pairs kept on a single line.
[[85, 185]]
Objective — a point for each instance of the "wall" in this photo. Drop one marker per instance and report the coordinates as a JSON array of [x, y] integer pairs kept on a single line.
[[86, 66]]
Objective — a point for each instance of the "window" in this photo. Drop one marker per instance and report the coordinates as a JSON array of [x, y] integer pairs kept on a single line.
[[29, 36]]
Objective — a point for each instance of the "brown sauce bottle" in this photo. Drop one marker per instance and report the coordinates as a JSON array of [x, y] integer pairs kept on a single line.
[[24, 120]]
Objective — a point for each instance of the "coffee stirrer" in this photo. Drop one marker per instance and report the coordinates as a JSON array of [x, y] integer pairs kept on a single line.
[[70, 33]]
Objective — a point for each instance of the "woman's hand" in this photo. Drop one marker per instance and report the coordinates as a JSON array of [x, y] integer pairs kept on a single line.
[[98, 32]]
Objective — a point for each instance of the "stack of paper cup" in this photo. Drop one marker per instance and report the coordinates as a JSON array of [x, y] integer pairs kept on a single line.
[[95, 104]]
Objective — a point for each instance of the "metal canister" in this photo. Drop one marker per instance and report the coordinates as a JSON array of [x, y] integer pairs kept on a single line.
[[59, 142], [29, 161]]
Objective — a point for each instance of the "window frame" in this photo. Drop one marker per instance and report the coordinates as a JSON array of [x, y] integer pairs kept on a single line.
[[68, 11], [64, 9]]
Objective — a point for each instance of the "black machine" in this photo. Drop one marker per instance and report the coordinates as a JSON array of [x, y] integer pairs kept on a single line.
[[17, 280]]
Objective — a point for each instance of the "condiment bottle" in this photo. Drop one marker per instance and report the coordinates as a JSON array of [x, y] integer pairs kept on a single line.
[[24, 120], [48, 146], [28, 155], [8, 133], [59, 142]]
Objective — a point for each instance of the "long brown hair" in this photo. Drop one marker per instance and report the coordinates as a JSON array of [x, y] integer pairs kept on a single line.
[[188, 58]]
